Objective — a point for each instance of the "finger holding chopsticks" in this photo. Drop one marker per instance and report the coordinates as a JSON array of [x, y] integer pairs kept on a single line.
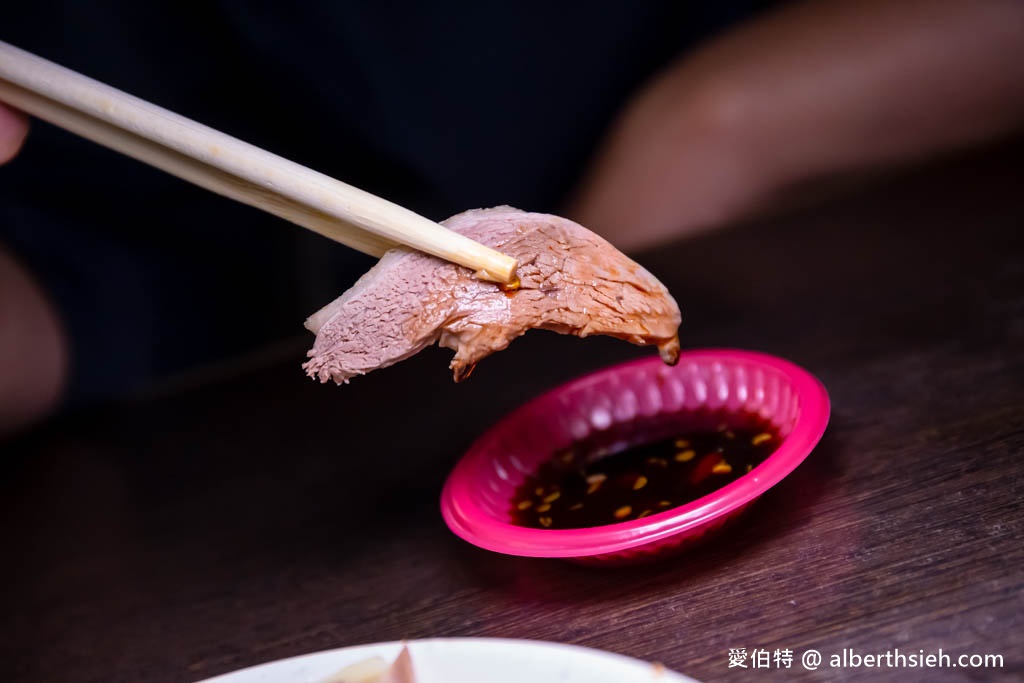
[[231, 167]]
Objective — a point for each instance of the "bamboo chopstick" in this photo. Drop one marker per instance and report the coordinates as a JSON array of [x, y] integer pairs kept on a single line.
[[230, 167]]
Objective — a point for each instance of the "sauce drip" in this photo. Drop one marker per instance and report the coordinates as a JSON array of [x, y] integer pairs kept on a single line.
[[635, 470], [510, 288]]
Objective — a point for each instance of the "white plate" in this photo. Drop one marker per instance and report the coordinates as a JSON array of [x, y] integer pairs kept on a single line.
[[469, 660]]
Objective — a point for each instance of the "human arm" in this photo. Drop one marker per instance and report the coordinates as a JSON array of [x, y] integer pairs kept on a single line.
[[812, 91], [33, 361]]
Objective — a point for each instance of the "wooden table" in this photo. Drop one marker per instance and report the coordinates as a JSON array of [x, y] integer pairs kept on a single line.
[[263, 516]]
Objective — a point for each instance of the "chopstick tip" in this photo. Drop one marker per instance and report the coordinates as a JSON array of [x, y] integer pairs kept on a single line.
[[504, 274]]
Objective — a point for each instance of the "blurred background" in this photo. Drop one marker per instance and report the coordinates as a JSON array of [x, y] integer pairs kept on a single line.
[[646, 121]]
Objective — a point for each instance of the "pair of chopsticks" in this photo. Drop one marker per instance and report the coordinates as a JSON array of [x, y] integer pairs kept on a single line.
[[230, 167]]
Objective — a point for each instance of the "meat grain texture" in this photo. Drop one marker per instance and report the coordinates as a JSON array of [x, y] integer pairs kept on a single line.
[[571, 281]]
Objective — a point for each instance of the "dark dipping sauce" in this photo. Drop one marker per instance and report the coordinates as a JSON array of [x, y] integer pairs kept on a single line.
[[634, 470]]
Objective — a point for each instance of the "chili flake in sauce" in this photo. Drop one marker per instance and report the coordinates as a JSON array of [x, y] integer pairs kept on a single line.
[[625, 473]]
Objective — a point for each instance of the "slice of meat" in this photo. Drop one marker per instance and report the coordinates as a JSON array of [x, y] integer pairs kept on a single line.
[[401, 670], [571, 281], [377, 670]]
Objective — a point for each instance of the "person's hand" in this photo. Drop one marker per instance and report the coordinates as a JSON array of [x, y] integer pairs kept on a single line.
[[808, 94], [13, 129]]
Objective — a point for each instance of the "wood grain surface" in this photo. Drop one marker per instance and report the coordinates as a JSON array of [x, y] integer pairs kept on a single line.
[[262, 516]]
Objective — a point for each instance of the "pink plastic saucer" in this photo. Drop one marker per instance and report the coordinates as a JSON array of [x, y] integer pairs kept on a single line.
[[477, 497]]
